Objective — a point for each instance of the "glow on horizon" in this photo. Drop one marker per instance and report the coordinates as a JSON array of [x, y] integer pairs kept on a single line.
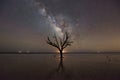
[[64, 51]]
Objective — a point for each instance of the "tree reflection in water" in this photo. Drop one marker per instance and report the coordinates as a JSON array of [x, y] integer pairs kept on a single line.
[[59, 73], [61, 68]]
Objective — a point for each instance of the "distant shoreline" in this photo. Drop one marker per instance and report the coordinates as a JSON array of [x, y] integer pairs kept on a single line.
[[57, 53]]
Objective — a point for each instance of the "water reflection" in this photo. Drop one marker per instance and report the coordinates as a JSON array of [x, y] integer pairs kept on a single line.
[[61, 67], [108, 59], [58, 73], [50, 67]]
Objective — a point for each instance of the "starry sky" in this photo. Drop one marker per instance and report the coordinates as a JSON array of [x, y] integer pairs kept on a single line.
[[94, 24]]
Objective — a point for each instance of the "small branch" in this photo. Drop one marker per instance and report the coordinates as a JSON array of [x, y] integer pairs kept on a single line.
[[60, 43]]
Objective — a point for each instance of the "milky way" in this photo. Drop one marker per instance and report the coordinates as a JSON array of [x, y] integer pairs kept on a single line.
[[25, 24], [55, 24]]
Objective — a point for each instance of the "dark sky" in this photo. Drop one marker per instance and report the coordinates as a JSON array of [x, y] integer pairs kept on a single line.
[[95, 24]]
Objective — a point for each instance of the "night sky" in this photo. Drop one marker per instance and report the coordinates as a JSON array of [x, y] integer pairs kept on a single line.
[[94, 24]]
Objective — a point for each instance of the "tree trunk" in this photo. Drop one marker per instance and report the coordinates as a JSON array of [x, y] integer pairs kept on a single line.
[[61, 54]]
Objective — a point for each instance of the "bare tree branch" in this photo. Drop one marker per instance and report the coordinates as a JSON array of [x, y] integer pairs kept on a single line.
[[59, 42], [56, 40], [51, 43]]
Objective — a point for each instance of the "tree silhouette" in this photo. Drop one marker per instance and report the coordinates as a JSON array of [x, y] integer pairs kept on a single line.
[[60, 42]]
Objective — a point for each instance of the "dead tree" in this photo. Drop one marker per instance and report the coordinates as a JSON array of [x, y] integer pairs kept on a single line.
[[60, 42]]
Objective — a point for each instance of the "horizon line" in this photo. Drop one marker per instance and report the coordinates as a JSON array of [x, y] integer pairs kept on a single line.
[[87, 52]]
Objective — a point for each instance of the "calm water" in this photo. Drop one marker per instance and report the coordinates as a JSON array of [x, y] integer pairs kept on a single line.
[[50, 67]]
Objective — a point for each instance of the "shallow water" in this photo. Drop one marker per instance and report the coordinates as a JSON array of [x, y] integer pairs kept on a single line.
[[50, 67]]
